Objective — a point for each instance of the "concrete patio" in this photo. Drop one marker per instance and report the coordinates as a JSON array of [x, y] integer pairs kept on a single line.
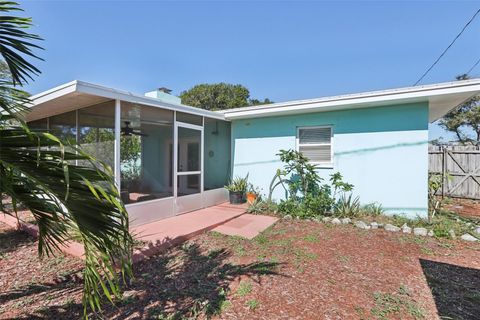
[[162, 234], [224, 218]]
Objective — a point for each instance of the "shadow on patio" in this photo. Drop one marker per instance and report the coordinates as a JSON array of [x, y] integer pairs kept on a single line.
[[456, 289]]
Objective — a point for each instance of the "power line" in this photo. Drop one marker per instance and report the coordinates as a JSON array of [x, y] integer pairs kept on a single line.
[[451, 44], [473, 67]]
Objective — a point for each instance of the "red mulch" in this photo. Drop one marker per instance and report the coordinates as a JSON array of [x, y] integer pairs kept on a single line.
[[464, 207], [297, 270]]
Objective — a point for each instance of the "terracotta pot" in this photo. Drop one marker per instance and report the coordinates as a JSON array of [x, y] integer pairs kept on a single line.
[[251, 197]]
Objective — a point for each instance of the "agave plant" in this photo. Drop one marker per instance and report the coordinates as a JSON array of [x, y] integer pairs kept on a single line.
[[37, 170], [347, 206]]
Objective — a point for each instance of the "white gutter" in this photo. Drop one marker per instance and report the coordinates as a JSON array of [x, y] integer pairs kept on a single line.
[[465, 88]]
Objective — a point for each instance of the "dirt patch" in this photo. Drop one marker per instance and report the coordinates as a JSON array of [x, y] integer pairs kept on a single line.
[[464, 207], [294, 270], [29, 284]]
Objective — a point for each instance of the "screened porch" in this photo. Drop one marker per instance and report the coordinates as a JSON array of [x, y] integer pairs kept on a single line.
[[167, 158]]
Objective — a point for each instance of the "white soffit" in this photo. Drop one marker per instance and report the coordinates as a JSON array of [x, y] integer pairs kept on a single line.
[[79, 94], [442, 97]]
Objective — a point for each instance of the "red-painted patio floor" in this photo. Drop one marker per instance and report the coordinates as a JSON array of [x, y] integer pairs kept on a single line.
[[160, 235]]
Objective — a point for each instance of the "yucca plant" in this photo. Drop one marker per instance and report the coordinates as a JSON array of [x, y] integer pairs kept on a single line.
[[347, 206], [238, 184], [37, 170]]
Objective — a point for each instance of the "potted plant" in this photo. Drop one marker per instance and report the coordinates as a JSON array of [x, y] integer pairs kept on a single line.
[[252, 193], [237, 189]]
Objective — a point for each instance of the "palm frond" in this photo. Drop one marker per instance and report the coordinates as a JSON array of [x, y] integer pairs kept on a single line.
[[69, 202], [16, 45], [37, 170]]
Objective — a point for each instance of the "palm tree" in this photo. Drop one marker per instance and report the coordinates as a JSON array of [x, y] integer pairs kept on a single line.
[[37, 171]]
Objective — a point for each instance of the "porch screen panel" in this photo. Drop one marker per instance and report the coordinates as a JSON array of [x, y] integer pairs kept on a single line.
[[38, 125], [146, 153], [64, 126], [96, 126], [217, 153]]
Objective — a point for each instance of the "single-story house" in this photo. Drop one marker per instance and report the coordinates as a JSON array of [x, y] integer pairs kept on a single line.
[[169, 158]]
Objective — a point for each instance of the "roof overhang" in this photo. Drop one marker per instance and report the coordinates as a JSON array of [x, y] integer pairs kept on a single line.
[[79, 94], [441, 98]]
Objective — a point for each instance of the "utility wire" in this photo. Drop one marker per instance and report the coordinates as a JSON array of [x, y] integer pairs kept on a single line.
[[473, 67], [451, 44]]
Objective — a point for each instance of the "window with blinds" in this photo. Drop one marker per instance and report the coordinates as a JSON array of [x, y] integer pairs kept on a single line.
[[315, 143]]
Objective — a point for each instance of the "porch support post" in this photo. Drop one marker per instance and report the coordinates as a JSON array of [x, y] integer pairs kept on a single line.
[[175, 157], [116, 161], [202, 147]]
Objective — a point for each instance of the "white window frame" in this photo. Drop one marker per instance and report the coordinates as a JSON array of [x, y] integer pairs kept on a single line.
[[326, 165]]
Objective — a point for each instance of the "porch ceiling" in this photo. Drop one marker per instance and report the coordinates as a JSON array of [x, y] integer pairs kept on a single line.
[[62, 104], [78, 94]]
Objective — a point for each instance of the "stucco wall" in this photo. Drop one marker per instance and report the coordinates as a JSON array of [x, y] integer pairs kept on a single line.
[[383, 151]]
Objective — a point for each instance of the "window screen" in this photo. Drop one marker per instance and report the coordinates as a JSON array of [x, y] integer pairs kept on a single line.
[[316, 144]]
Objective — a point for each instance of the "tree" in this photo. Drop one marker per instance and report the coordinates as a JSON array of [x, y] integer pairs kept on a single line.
[[37, 170], [219, 96], [464, 121]]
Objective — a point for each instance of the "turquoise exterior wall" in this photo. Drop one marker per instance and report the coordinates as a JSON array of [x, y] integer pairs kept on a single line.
[[217, 152], [383, 151]]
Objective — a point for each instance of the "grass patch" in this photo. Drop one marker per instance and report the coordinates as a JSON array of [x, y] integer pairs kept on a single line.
[[396, 304], [428, 251], [252, 304], [244, 288], [225, 305], [311, 238]]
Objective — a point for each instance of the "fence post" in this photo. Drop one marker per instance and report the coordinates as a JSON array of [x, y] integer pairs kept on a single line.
[[444, 169]]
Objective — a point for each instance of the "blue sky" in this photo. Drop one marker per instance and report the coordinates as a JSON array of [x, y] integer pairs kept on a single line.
[[280, 50]]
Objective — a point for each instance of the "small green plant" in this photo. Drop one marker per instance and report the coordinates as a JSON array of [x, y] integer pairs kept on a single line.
[[255, 190], [435, 183], [311, 238], [372, 209], [252, 304], [262, 206], [225, 304], [347, 206], [244, 288], [238, 184], [339, 186], [388, 305]]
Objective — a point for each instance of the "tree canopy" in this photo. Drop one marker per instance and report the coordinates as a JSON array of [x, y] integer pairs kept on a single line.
[[219, 96], [464, 121]]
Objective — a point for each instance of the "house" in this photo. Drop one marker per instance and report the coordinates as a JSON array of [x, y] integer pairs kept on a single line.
[[169, 158]]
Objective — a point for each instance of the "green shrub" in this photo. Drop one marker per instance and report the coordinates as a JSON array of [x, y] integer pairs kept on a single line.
[[262, 206], [372, 209], [306, 195], [441, 224]]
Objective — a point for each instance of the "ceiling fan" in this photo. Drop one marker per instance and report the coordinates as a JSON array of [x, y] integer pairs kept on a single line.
[[127, 131]]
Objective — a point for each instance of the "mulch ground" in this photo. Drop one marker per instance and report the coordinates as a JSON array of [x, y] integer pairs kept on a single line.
[[464, 207], [294, 270]]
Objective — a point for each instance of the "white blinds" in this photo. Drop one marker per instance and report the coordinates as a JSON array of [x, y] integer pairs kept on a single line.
[[316, 144]]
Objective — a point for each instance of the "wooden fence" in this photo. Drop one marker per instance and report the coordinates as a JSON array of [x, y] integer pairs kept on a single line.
[[460, 167]]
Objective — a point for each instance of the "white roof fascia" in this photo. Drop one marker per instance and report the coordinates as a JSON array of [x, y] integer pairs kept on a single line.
[[360, 100], [110, 93]]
